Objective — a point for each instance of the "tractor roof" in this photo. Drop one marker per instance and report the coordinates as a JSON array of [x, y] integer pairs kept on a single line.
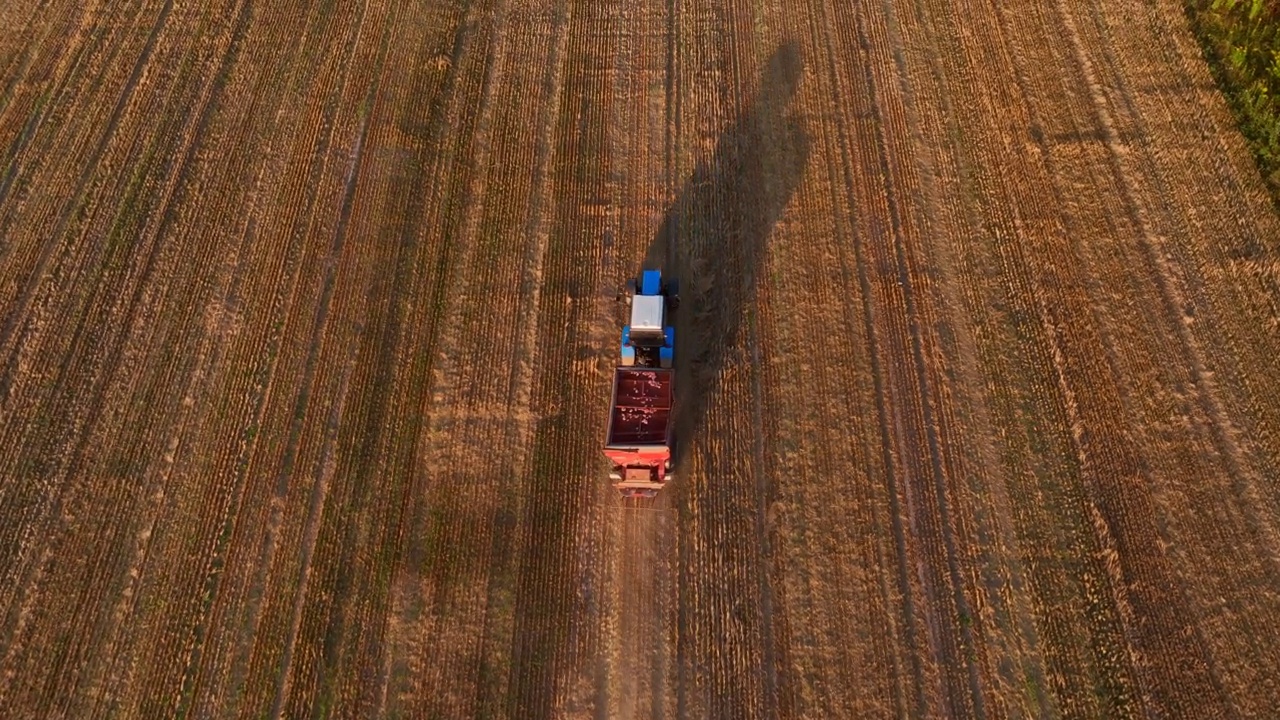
[[646, 313]]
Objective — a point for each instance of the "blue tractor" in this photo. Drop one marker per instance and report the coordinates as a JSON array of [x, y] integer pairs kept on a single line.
[[649, 339]]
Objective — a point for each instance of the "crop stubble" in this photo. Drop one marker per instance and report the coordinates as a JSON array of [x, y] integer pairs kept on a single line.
[[308, 327]]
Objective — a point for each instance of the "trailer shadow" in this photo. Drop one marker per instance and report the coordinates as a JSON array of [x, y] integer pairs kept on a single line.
[[715, 235]]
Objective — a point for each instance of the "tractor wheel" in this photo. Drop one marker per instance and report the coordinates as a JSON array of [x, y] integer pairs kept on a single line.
[[673, 293]]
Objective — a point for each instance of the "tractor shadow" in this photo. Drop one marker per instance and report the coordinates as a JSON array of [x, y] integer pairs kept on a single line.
[[715, 235]]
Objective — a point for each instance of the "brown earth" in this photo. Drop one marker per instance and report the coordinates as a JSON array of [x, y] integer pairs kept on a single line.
[[307, 324]]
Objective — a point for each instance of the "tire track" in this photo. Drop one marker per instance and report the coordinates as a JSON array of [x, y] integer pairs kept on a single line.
[[718, 250], [889, 688], [382, 428], [994, 626], [1197, 679], [902, 226], [172, 193], [65, 64], [869, 314], [1098, 622], [18, 314], [443, 116], [1226, 438], [548, 656], [451, 377], [437, 298], [114, 359], [1124, 512], [17, 62], [1005, 617], [760, 553], [231, 519], [8, 401], [21, 69], [1208, 487], [204, 384], [319, 490], [754, 337], [476, 393], [674, 88], [630, 563], [288, 290]]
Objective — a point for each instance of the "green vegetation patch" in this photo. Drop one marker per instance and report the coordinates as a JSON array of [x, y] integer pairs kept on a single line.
[[1241, 41]]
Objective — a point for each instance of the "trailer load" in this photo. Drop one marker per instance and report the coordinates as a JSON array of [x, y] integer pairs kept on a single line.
[[638, 440]]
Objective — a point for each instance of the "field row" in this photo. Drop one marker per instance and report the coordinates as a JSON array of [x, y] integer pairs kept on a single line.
[[307, 329]]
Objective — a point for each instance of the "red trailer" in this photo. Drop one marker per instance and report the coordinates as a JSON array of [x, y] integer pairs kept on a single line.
[[639, 438]]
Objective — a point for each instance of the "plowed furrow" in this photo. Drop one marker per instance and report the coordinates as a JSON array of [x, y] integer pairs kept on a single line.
[[959, 72], [124, 377], [497, 399], [106, 363], [326, 462], [16, 320], [1198, 488], [307, 335], [553, 663], [1132, 512], [218, 528]]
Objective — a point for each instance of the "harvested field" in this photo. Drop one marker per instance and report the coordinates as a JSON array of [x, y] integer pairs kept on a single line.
[[307, 329]]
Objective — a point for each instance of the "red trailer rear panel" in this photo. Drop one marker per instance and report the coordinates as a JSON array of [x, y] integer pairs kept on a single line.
[[639, 437]]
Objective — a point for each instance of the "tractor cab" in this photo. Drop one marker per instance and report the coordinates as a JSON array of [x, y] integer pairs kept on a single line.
[[649, 339]]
